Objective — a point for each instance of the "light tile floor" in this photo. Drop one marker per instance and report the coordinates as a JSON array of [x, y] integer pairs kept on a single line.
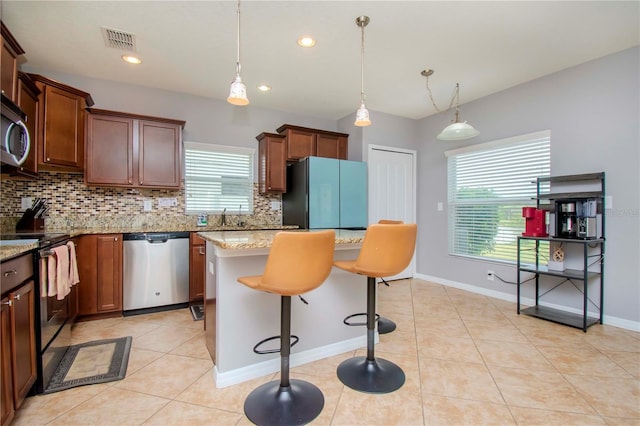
[[468, 359]]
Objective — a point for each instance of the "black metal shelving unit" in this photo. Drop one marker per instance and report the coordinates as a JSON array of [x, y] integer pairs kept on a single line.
[[584, 275]]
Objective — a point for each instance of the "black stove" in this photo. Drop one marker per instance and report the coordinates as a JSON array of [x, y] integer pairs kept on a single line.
[[45, 239]]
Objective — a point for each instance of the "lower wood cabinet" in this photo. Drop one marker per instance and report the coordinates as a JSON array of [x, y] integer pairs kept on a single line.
[[100, 270], [18, 339], [197, 268]]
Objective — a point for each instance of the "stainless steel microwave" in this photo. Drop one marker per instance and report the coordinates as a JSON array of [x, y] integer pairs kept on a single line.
[[15, 142]]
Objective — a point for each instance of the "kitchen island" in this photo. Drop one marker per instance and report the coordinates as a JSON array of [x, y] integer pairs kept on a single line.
[[237, 317]]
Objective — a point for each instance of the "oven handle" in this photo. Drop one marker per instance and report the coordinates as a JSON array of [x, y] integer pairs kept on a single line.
[[49, 252]]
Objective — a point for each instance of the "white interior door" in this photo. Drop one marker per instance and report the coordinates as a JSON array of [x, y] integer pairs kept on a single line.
[[392, 189]]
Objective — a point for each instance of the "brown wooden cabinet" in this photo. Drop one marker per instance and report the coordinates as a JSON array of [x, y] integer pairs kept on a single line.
[[100, 270], [304, 142], [197, 271], [272, 163], [7, 408], [60, 134], [133, 150], [9, 64], [17, 334], [27, 100]]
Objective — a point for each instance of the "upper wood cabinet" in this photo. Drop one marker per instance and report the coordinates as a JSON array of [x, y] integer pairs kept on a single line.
[[9, 64], [27, 100], [272, 163], [304, 142], [60, 134], [133, 150]]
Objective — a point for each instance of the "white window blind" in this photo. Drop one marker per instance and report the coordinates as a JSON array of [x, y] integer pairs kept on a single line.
[[218, 177], [488, 184]]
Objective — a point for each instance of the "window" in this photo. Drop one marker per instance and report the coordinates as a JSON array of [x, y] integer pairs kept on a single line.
[[218, 177], [488, 184]]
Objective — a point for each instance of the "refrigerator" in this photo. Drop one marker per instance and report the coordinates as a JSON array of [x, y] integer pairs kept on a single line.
[[325, 193]]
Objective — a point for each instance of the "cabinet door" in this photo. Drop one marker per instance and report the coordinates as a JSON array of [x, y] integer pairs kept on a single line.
[[87, 257], [300, 144], [196, 273], [6, 376], [272, 167], [109, 150], [63, 129], [331, 146], [159, 154], [109, 272], [28, 102], [23, 317], [8, 70]]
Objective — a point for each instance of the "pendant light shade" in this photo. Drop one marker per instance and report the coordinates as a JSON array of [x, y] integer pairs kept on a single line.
[[458, 130], [362, 115], [238, 91]]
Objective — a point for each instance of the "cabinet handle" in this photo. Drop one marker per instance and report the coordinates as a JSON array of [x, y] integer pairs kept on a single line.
[[17, 297], [115, 239], [130, 182], [9, 273], [48, 159], [3, 92], [8, 303], [201, 251]]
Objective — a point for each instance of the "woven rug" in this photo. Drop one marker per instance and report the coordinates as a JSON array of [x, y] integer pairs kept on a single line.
[[90, 363]]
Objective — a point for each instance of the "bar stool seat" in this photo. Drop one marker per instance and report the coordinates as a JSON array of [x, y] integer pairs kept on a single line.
[[387, 250], [298, 262]]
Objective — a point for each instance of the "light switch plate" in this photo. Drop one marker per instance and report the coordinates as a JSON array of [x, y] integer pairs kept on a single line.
[[148, 205], [276, 205]]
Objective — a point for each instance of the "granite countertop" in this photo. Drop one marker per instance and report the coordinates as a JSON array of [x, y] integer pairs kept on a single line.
[[7, 252], [242, 240]]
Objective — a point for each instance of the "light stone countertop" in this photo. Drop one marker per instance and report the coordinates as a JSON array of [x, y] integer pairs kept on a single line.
[[8, 252], [242, 240]]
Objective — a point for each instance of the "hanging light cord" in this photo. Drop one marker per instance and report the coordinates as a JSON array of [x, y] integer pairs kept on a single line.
[[362, 25], [454, 96], [238, 66]]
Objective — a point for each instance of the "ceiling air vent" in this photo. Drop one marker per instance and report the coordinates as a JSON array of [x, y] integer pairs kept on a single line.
[[119, 39]]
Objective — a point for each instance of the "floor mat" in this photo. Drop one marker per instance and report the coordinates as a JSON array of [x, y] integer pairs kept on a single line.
[[90, 363], [197, 312]]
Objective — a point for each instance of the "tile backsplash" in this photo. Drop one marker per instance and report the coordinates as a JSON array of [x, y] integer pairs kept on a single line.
[[74, 203]]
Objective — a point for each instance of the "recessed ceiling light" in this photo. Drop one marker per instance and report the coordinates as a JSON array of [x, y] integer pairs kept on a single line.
[[131, 59], [264, 88], [306, 41]]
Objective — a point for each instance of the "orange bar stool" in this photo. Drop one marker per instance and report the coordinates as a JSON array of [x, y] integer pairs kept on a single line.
[[387, 250], [385, 325], [298, 262]]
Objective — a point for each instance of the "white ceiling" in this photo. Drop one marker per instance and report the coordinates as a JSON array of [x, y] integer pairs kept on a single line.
[[190, 47]]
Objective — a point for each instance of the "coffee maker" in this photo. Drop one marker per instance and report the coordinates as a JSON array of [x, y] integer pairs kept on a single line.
[[566, 219]]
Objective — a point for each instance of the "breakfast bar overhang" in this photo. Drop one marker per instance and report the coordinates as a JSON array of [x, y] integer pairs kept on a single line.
[[237, 318]]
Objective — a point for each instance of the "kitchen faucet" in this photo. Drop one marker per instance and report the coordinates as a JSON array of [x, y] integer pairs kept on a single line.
[[223, 217]]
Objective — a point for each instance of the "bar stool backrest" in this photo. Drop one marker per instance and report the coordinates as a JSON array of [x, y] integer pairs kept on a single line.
[[387, 249], [298, 262]]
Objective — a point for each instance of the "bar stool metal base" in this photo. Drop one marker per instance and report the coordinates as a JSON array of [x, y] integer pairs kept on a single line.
[[272, 404], [371, 376], [385, 325]]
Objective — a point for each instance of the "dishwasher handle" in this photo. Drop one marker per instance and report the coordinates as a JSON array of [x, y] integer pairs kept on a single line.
[[157, 240]]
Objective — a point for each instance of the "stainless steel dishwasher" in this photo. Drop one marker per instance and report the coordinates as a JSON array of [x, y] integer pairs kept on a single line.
[[155, 271]]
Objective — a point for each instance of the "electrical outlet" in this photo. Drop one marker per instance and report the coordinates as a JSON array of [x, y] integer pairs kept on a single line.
[[25, 203], [147, 205], [490, 275]]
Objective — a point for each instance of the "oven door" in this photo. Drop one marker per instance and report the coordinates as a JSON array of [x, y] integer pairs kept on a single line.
[[53, 312]]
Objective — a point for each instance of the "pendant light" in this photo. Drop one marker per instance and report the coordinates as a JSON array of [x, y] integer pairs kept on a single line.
[[362, 115], [458, 130], [238, 91]]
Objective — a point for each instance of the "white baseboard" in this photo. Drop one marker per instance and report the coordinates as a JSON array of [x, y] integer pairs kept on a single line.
[[607, 319], [239, 375]]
